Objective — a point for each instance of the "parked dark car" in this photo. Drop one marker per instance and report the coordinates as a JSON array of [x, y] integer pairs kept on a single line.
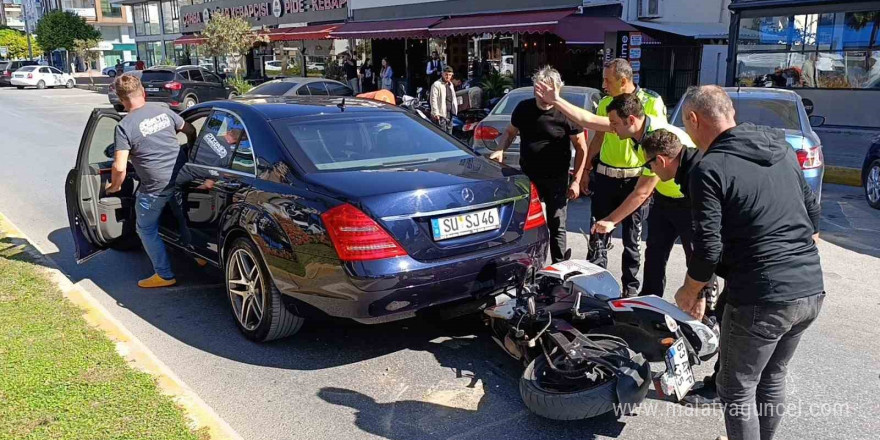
[[301, 87], [782, 109], [318, 208], [871, 174], [184, 86], [7, 67], [488, 132], [111, 91]]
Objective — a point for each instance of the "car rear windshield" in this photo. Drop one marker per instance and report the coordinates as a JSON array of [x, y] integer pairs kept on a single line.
[[509, 102], [360, 142], [3, 65], [157, 75], [27, 69], [272, 88], [776, 113]]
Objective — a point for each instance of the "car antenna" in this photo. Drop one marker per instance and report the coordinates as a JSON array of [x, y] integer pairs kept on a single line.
[[342, 105]]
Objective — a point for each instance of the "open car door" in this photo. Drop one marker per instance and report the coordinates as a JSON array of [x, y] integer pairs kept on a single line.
[[99, 220]]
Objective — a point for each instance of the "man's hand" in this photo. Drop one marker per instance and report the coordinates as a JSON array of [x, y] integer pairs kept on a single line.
[[497, 156], [690, 302], [547, 92], [109, 189], [585, 184], [602, 227], [207, 185], [816, 237], [574, 190]]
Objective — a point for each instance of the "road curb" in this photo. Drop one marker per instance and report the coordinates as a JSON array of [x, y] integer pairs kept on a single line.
[[201, 415], [843, 176]]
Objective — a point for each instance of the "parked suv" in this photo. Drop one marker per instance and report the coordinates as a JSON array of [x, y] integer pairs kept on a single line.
[[185, 86], [7, 67]]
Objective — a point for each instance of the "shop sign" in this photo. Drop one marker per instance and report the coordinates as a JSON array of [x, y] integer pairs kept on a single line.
[[635, 55], [264, 12]]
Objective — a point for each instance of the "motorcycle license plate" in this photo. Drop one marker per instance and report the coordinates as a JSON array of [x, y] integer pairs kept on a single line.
[[678, 364], [465, 224]]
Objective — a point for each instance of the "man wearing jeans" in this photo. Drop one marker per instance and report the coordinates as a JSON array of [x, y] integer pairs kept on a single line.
[[755, 223], [148, 135]]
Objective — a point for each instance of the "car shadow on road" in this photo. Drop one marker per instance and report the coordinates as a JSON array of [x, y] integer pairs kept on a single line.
[[848, 221]]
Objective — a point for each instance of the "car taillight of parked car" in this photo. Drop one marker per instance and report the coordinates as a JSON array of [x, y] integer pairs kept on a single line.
[[535, 217], [810, 158], [486, 133], [30, 75], [174, 85], [357, 237]]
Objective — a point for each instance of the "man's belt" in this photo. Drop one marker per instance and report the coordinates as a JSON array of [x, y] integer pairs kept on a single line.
[[618, 173]]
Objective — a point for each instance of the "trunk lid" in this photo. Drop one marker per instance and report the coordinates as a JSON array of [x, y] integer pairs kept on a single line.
[[404, 200]]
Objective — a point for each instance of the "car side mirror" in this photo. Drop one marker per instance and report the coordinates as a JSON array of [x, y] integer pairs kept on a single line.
[[110, 151], [817, 121]]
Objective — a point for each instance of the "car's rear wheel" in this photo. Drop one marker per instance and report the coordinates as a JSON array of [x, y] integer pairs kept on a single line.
[[70, 84], [189, 101], [232, 95], [872, 185], [256, 302], [41, 84]]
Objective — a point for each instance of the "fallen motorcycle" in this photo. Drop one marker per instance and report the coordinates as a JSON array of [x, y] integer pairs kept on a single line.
[[586, 350]]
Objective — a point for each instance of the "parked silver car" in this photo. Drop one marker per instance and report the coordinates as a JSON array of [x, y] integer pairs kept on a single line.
[[301, 87]]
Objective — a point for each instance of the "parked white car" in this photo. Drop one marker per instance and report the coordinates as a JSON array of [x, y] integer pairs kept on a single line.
[[41, 77]]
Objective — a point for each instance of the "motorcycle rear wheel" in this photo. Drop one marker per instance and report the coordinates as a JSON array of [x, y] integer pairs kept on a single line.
[[577, 404]]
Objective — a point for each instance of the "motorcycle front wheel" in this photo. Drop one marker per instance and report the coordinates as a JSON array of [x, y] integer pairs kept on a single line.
[[547, 396]]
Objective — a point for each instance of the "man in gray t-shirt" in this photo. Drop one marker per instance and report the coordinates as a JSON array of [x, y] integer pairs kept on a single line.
[[148, 136]]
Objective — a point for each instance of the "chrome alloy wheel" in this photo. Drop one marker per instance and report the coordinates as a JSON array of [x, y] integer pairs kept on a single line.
[[244, 283], [872, 184]]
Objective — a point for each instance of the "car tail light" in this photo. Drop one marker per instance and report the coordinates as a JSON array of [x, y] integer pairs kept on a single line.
[[30, 75], [535, 217], [357, 237], [810, 158], [486, 133], [173, 85]]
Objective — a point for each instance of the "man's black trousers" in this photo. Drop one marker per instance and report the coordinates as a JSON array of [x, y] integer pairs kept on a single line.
[[554, 194], [608, 194], [669, 220]]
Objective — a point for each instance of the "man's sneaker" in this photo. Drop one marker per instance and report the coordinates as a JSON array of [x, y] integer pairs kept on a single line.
[[721, 437], [156, 281], [704, 396]]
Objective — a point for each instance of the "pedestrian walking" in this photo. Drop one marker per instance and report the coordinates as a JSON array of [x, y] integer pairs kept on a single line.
[[386, 76], [756, 223], [352, 75], [545, 155], [148, 136], [368, 80], [619, 165], [444, 104], [119, 68]]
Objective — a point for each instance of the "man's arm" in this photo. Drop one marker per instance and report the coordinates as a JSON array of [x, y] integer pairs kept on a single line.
[[190, 133], [435, 102], [503, 144], [814, 209], [635, 199], [117, 175], [429, 70], [579, 142], [579, 116]]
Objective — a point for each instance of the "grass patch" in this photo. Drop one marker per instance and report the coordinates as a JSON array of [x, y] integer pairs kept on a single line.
[[62, 379]]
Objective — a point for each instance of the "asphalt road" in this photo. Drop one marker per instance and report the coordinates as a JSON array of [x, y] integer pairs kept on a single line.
[[415, 379]]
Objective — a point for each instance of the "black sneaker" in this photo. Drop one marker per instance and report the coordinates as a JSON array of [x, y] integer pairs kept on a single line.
[[702, 396]]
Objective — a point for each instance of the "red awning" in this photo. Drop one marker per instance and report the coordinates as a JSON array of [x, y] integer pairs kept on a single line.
[[189, 39], [578, 29], [407, 28], [512, 23], [314, 32]]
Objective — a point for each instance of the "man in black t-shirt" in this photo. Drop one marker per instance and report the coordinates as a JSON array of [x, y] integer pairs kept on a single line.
[[545, 155], [351, 74]]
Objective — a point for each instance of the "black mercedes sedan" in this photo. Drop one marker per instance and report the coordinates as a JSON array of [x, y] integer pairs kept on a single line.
[[325, 206]]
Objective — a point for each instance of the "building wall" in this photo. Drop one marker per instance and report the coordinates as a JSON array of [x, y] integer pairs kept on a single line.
[[365, 10], [684, 11]]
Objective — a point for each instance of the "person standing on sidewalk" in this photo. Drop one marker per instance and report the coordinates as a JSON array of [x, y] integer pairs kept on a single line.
[[444, 104], [148, 136], [620, 165], [545, 154], [756, 222], [352, 75]]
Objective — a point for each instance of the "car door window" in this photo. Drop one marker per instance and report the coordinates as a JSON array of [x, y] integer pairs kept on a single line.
[[303, 91], [44, 70], [55, 71], [217, 140], [211, 78], [336, 89], [196, 75], [243, 158], [103, 143], [317, 88]]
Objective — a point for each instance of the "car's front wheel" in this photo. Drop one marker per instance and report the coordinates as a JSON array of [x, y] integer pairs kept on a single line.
[[256, 302], [872, 185]]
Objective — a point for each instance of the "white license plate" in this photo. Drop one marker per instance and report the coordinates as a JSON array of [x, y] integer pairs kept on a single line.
[[465, 224], [152, 89], [18, 76], [679, 365]]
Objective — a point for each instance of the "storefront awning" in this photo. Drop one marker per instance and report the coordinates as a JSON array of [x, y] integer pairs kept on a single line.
[[577, 29], [407, 28], [314, 32], [190, 39], [511, 23], [693, 30]]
